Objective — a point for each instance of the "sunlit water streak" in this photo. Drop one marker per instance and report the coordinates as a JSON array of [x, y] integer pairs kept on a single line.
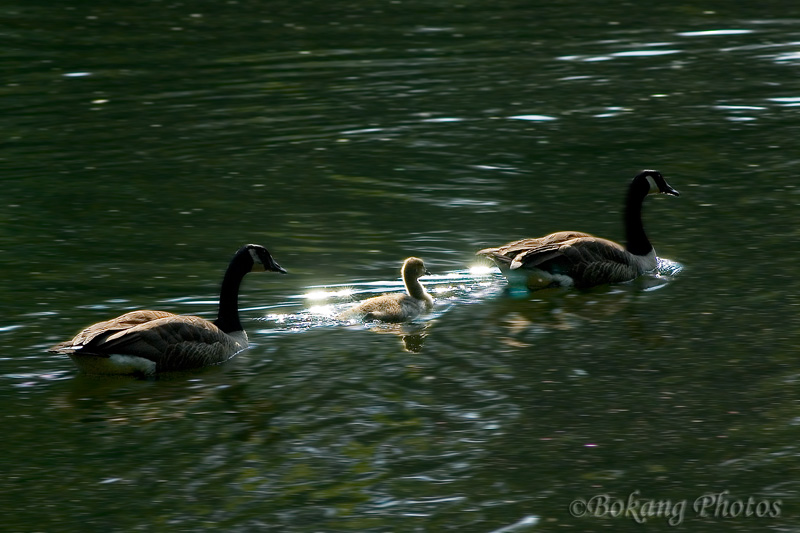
[[322, 304]]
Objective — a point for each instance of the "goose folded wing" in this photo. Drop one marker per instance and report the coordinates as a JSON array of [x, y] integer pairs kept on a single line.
[[574, 251], [97, 333], [170, 337], [512, 249], [588, 260]]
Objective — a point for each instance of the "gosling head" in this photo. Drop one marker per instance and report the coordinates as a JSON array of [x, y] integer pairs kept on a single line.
[[656, 184], [414, 267], [262, 260]]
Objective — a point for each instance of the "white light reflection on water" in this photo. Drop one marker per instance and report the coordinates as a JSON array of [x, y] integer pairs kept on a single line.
[[664, 273], [786, 101], [668, 268], [522, 525], [789, 56], [645, 53], [707, 33], [328, 301], [534, 118], [621, 54], [324, 295], [459, 287]]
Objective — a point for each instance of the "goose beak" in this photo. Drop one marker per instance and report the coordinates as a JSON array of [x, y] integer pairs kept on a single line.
[[670, 191], [275, 267]]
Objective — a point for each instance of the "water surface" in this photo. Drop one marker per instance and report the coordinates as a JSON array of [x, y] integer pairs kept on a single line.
[[145, 143]]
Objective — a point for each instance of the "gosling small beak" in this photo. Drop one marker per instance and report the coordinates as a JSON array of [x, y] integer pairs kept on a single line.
[[427, 272]]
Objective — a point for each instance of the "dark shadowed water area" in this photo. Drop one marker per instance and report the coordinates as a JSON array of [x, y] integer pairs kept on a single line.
[[144, 142]]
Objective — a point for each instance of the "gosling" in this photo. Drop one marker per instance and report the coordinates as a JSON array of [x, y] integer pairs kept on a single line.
[[397, 307]]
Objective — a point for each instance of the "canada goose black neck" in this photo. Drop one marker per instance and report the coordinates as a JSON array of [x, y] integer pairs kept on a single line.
[[228, 317], [249, 258], [637, 242]]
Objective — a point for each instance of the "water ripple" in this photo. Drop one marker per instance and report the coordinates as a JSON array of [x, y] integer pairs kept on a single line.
[[326, 302], [712, 33]]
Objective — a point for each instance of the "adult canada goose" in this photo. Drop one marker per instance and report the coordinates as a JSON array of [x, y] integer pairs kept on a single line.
[[145, 342], [572, 258], [397, 307]]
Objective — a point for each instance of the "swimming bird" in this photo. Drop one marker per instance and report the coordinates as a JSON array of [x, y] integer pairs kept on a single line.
[[397, 307], [145, 342], [571, 258]]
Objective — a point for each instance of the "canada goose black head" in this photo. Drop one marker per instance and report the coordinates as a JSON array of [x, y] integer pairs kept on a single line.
[[262, 260], [656, 183]]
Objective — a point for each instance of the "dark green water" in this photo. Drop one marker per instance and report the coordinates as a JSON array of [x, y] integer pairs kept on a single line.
[[144, 143]]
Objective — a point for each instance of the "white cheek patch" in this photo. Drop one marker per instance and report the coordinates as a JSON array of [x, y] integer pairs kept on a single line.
[[654, 188], [258, 265], [254, 256]]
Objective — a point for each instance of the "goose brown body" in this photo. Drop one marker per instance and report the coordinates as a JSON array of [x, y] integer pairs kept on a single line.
[[397, 307], [571, 258], [148, 341]]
